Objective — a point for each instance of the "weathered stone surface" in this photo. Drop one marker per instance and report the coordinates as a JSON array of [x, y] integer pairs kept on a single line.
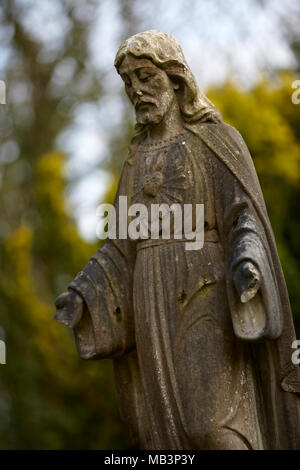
[[201, 340]]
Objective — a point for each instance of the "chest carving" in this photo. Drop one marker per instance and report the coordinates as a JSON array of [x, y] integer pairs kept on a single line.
[[154, 177], [162, 175]]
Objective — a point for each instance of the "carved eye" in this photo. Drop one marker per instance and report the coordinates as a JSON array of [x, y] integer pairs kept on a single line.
[[145, 78]]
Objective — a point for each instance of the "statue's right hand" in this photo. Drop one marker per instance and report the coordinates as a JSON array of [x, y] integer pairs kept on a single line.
[[69, 308]]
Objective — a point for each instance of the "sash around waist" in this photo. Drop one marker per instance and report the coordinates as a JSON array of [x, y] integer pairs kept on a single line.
[[210, 236]]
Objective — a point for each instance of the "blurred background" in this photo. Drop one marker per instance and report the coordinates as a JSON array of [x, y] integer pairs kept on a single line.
[[64, 132]]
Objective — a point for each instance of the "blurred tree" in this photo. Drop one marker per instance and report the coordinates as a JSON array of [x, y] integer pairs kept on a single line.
[[49, 398], [52, 399]]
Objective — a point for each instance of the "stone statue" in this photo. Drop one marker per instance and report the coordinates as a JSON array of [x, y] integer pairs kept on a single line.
[[200, 339]]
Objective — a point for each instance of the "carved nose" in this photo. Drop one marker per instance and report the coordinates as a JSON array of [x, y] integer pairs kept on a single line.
[[139, 93]]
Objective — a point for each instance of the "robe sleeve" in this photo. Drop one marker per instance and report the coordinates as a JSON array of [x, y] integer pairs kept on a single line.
[[244, 240], [106, 329]]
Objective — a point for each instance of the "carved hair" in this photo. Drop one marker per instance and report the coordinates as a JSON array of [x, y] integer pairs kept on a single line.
[[166, 53]]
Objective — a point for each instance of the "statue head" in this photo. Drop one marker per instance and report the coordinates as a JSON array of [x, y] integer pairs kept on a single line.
[[164, 75], [150, 90]]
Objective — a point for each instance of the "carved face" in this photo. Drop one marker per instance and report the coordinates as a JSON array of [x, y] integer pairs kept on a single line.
[[149, 89]]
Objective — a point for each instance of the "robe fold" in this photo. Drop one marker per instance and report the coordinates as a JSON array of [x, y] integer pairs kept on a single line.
[[195, 368]]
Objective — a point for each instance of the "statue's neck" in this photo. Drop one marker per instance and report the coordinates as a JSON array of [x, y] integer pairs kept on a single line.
[[170, 126]]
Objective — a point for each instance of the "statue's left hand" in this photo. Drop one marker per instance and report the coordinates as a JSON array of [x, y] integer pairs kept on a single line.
[[247, 281]]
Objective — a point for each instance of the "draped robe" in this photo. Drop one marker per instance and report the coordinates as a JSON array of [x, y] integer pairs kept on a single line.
[[194, 367]]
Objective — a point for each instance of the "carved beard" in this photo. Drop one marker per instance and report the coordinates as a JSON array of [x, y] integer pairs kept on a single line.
[[151, 115], [153, 112]]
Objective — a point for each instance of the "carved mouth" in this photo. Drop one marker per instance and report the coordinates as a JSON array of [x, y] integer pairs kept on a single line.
[[143, 104]]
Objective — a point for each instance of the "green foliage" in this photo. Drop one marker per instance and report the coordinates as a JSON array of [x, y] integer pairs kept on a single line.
[[51, 398], [58, 246]]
